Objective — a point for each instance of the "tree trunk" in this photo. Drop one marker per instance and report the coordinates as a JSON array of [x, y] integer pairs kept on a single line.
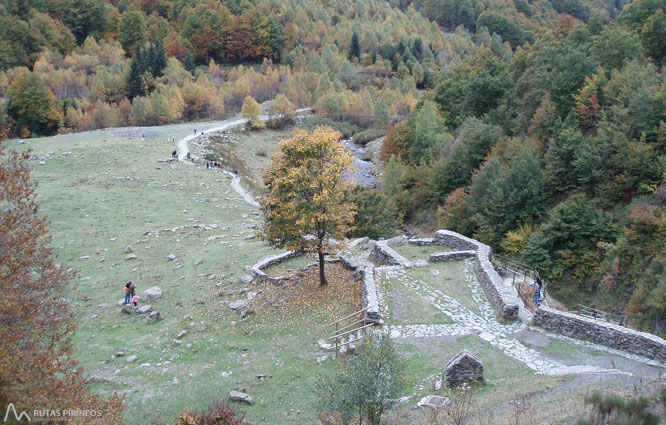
[[322, 276]]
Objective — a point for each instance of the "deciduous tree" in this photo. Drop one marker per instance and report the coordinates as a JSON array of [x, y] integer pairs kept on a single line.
[[305, 203], [37, 364], [251, 110]]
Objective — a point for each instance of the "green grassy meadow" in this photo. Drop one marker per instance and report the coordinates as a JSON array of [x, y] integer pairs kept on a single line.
[[105, 190]]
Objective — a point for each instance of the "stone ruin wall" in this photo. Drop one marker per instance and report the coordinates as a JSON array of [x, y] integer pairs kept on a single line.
[[601, 332]]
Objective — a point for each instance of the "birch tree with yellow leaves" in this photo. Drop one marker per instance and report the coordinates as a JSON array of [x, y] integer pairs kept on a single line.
[[305, 203]]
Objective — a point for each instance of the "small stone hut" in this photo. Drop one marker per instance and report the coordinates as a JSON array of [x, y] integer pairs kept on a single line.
[[463, 368]]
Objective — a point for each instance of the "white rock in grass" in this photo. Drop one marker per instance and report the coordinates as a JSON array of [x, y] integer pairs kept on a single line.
[[132, 359], [152, 293], [240, 397]]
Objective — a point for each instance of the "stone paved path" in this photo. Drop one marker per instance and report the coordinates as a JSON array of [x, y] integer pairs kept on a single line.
[[485, 325], [183, 149]]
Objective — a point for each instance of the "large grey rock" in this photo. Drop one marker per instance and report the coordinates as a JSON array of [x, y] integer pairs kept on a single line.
[[132, 359], [128, 309], [144, 309], [131, 257], [151, 294], [176, 342], [181, 334], [246, 279], [398, 240], [239, 304], [463, 369], [360, 242], [240, 397], [129, 249]]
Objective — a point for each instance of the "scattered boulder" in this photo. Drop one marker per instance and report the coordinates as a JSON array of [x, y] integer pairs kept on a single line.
[[322, 359], [129, 249], [240, 397], [120, 354], [246, 279], [153, 317], [131, 257], [246, 312], [398, 240], [433, 401], [463, 368], [239, 304], [152, 293], [176, 342], [181, 334], [144, 309], [360, 242], [196, 263], [132, 359], [83, 257], [128, 309], [171, 257]]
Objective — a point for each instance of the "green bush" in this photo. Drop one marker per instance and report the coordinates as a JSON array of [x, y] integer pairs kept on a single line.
[[365, 136]]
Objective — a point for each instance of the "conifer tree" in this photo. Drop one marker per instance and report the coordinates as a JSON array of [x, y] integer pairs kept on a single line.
[[355, 47], [189, 62], [159, 62], [134, 86]]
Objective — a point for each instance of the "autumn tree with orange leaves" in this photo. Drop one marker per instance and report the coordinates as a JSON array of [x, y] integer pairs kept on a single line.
[[37, 365], [305, 204]]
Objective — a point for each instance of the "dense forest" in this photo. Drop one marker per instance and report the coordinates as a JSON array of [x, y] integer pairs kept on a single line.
[[535, 126]]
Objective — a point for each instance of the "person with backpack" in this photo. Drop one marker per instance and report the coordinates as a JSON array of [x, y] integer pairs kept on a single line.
[[128, 297]]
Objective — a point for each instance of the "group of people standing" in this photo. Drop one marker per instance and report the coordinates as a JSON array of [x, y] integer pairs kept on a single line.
[[213, 165], [130, 294]]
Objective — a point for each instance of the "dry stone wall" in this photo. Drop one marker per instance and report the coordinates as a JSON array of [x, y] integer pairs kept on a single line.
[[258, 269], [369, 293], [383, 253], [453, 255], [601, 332], [505, 303]]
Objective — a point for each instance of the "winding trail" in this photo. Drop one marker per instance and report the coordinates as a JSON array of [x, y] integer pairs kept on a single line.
[[183, 150]]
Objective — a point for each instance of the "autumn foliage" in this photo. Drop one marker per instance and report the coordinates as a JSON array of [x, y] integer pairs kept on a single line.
[[37, 365], [305, 203]]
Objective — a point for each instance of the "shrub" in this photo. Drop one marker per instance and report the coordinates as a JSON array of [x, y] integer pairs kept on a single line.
[[368, 383], [220, 414], [363, 137]]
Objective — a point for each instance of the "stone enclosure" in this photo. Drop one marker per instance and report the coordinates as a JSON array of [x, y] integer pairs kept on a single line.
[[503, 298]]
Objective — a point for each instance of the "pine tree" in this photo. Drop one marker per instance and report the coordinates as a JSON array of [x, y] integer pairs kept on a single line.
[[355, 47], [159, 60], [134, 86], [189, 62]]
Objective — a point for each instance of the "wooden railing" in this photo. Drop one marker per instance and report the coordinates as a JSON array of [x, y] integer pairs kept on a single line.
[[521, 273], [344, 333], [593, 313]]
